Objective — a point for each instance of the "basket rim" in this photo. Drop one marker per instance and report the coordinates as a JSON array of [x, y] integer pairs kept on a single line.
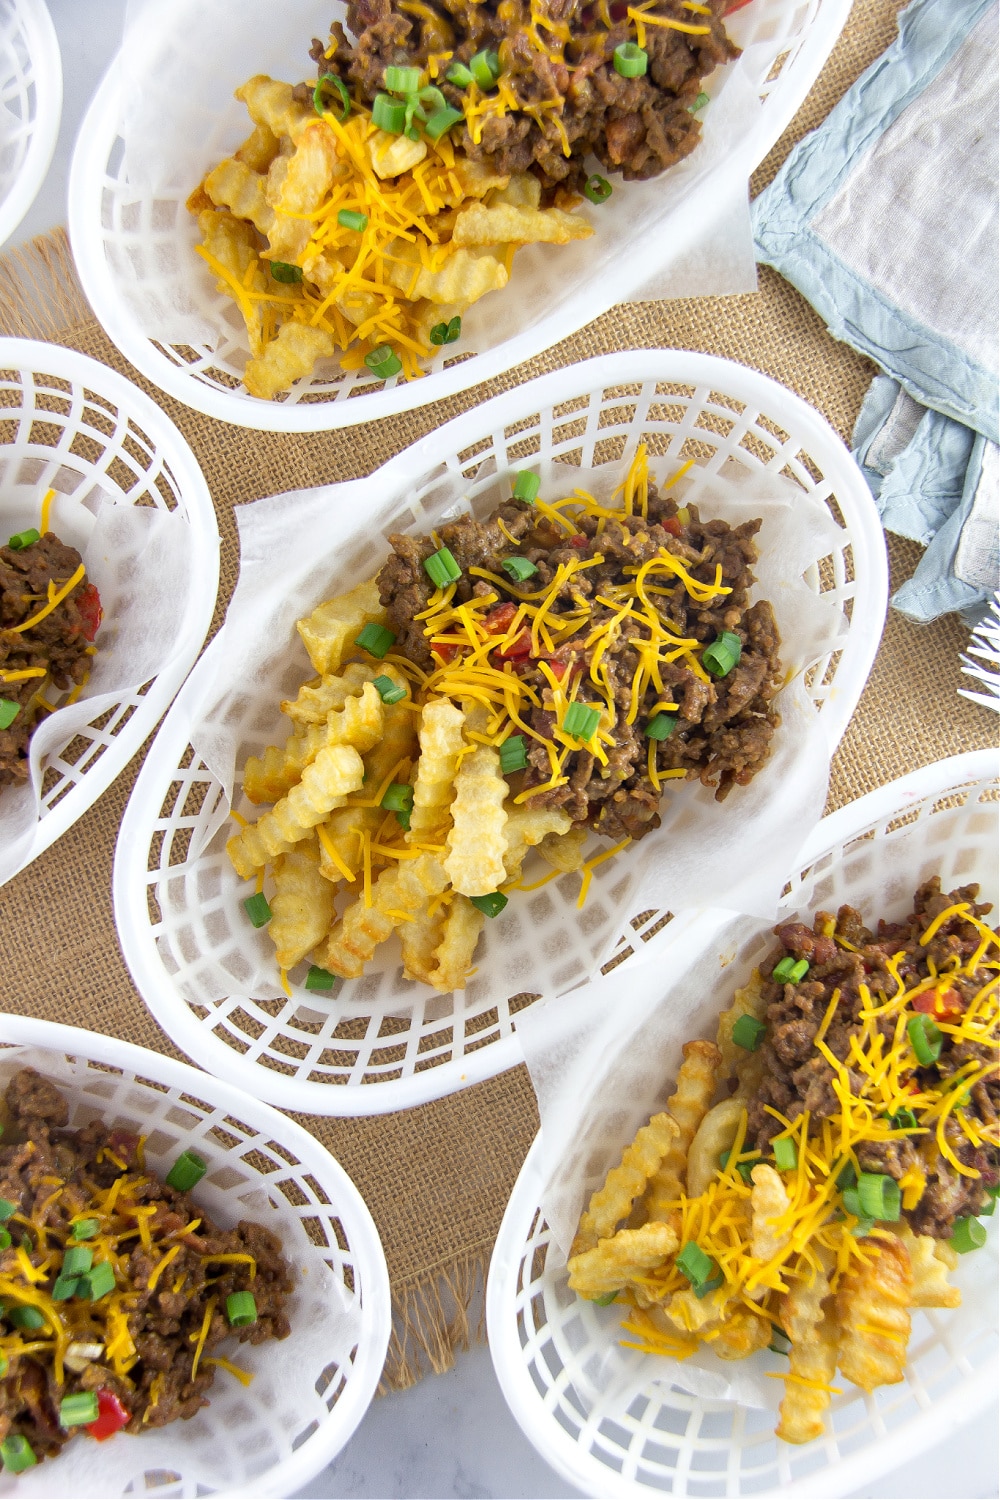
[[329, 1438], [87, 172], [129, 878], [43, 46], [54, 359], [908, 1441]]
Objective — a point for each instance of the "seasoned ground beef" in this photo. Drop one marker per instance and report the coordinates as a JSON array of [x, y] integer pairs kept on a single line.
[[724, 726], [556, 63], [843, 955], [56, 651], [134, 1345]]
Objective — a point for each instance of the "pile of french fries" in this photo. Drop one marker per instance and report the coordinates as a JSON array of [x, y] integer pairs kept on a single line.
[[327, 840], [842, 1302], [334, 237]]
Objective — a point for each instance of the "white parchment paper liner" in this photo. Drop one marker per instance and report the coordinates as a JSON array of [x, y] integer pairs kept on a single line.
[[180, 65], [705, 851], [136, 555], [326, 1325]]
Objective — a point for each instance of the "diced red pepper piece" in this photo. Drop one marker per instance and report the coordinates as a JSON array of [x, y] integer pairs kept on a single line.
[[931, 1004], [88, 602], [517, 649], [497, 620], [444, 652], [672, 525], [579, 540], [112, 1416]]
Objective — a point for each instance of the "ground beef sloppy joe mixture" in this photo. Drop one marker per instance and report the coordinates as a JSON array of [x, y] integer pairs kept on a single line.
[[116, 1288]]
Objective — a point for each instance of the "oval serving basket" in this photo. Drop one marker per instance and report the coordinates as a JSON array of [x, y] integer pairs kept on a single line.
[[69, 424], [30, 105], [307, 1395], [608, 1418], [383, 1044], [135, 249]]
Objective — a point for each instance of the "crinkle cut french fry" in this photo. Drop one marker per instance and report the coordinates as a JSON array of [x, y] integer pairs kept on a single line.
[[328, 633], [700, 1315], [806, 1315], [297, 186], [476, 840], [657, 1334], [564, 851], [359, 722], [465, 276], [419, 941], [289, 356], [326, 783], [688, 1105], [613, 1201], [611, 1263], [768, 1201], [742, 1333], [873, 1313], [259, 149], [302, 904], [441, 742], [714, 1135], [453, 957], [232, 244], [931, 1287], [403, 889], [747, 1067], [274, 104], [528, 828], [235, 186], [399, 734], [513, 224], [315, 700]]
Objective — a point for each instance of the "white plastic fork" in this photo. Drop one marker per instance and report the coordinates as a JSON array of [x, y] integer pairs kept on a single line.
[[984, 644]]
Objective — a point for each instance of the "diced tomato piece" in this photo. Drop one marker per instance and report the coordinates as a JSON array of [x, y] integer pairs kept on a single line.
[[444, 653], [518, 649], [89, 604], [579, 540], [931, 1004], [737, 5], [497, 619], [672, 525], [112, 1416]]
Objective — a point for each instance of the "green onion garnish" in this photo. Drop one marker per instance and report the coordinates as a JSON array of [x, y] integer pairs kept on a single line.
[[580, 721], [904, 1119], [188, 1169], [989, 1207], [398, 797], [341, 88], [8, 712], [703, 1289], [65, 1287], [847, 1177], [241, 1309], [695, 1264], [442, 120], [699, 103], [786, 1156], [790, 970], [375, 639], [100, 1281], [384, 362], [879, 1196], [25, 1317], [282, 271], [7, 1209], [605, 1300], [597, 189], [447, 333], [723, 654], [441, 568], [745, 1168], [485, 68], [630, 60], [863, 1227], [513, 754], [661, 726], [748, 1033], [459, 75], [17, 1453], [389, 691], [491, 905], [320, 980], [967, 1234], [389, 114], [85, 1229], [76, 1260], [349, 218], [780, 1342], [925, 1039], [5, 1239], [526, 486], [433, 96], [519, 568], [258, 909], [401, 80], [79, 1409], [22, 539]]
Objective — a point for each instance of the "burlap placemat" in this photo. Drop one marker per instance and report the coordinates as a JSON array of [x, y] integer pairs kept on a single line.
[[437, 1178]]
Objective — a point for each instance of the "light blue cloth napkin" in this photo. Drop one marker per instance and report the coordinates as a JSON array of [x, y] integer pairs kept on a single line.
[[886, 219]]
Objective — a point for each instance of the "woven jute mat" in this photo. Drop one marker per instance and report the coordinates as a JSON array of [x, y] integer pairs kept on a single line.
[[437, 1178]]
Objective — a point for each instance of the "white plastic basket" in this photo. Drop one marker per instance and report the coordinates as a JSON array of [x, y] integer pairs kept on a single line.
[[382, 1043], [30, 105], [135, 249], [70, 424], [306, 1398], [608, 1418]]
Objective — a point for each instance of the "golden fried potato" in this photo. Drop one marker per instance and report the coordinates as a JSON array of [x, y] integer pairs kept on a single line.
[[807, 1318], [316, 699], [741, 1333], [613, 1262], [613, 1202], [522, 191], [476, 840], [232, 244], [527, 828], [768, 1201], [564, 851], [465, 276], [873, 1314], [297, 185], [693, 1314], [328, 633], [234, 185], [476, 178], [737, 1062], [392, 155], [326, 783], [931, 1287], [289, 357], [688, 1105], [419, 941], [510, 224], [657, 1335], [302, 904], [259, 149], [441, 743], [460, 934], [714, 1135], [274, 104], [399, 893]]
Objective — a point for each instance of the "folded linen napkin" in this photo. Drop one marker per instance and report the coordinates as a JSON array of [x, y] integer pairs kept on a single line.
[[886, 219]]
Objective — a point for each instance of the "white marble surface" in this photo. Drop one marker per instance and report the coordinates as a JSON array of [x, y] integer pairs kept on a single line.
[[451, 1435]]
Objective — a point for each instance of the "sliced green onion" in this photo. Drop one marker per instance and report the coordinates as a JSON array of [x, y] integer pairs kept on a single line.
[[580, 721], [723, 654], [17, 1454], [384, 362], [695, 1264], [78, 1409], [441, 121], [99, 1282], [7, 1209], [513, 754], [879, 1196], [491, 905], [65, 1287], [519, 568], [282, 271], [967, 1234], [989, 1207], [699, 103], [597, 189], [258, 909], [485, 68], [431, 95], [389, 114], [925, 1039], [780, 1342], [704, 1287], [401, 80], [661, 726], [863, 1227], [604, 1301], [847, 1177], [22, 539], [320, 980], [5, 1239], [403, 818], [375, 639], [790, 970], [349, 218], [389, 691], [447, 333], [341, 88], [630, 60], [8, 712], [459, 75], [76, 1260], [851, 1200], [526, 486], [398, 797], [241, 1309], [85, 1229], [748, 1033], [904, 1119], [745, 1168], [786, 1155], [188, 1169], [441, 568], [25, 1317]]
